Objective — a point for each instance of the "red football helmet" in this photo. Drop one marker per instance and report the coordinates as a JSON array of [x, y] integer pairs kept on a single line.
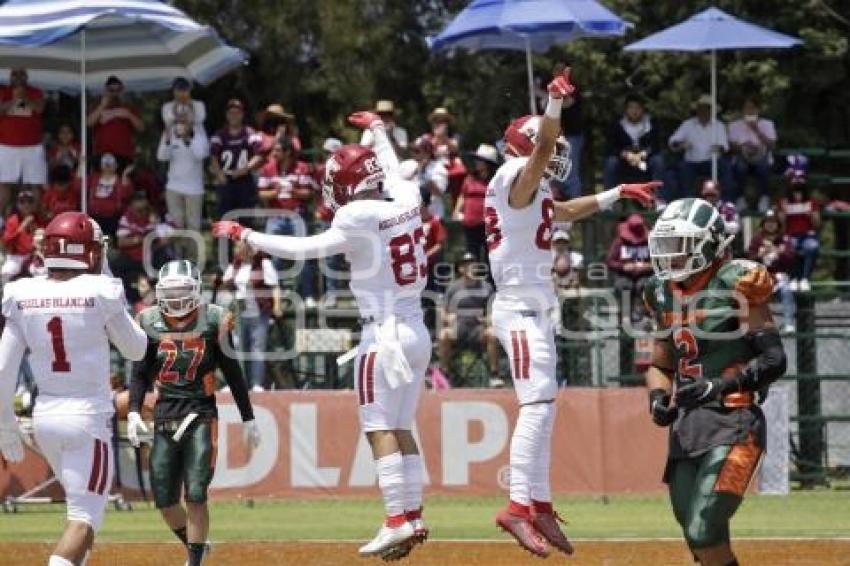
[[73, 240], [521, 137], [351, 169]]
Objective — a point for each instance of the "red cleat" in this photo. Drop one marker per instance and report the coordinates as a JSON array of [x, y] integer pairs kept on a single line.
[[547, 525], [523, 531]]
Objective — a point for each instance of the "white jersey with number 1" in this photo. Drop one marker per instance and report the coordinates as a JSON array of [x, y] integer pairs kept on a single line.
[[67, 326]]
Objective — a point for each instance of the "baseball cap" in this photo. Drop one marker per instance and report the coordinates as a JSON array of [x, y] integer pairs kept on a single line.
[[560, 236], [181, 83], [385, 107], [113, 80]]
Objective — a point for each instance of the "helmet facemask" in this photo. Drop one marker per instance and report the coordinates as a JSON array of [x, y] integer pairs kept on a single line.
[[178, 298], [560, 165], [677, 255]]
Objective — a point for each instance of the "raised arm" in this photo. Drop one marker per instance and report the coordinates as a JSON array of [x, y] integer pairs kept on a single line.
[[382, 147], [328, 243]]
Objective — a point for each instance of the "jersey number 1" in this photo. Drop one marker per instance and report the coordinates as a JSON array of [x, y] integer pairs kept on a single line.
[[60, 357]]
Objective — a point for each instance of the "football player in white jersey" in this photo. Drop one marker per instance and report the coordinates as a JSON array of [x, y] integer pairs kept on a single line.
[[377, 226], [67, 320], [519, 212]]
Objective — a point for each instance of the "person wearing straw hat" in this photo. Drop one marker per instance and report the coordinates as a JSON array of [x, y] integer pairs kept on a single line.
[[469, 208], [698, 138], [446, 146], [275, 122], [398, 135]]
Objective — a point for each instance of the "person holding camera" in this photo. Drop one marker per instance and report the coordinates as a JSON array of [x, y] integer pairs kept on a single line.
[[22, 156], [115, 122], [752, 139]]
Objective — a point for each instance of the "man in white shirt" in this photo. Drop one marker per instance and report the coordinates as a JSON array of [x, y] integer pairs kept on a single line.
[[752, 139], [699, 137]]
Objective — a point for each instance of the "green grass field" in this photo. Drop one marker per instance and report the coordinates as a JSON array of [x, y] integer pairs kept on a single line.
[[819, 514]]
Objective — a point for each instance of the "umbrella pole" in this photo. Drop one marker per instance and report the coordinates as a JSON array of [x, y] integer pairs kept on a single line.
[[83, 129], [714, 116], [531, 104]]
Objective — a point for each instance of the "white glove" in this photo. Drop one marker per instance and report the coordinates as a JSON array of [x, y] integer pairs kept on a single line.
[[251, 433], [10, 442], [135, 425]]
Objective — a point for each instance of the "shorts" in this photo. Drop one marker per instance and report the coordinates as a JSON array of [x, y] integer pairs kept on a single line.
[[528, 337], [25, 164], [381, 407], [79, 451], [469, 333], [188, 463]]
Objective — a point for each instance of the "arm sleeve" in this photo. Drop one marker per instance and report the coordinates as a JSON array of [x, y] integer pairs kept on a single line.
[[141, 380], [384, 150], [679, 135], [12, 348], [233, 375], [768, 366], [328, 243]]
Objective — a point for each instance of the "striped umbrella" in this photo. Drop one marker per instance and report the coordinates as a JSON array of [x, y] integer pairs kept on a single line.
[[69, 44]]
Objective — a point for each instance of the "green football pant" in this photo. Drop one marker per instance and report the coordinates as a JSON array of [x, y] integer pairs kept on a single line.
[[187, 464]]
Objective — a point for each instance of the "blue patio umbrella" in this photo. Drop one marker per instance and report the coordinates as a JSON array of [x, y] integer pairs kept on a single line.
[[712, 30], [527, 25], [65, 44]]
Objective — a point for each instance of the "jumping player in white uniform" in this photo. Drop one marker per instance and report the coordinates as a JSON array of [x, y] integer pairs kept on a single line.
[[378, 227], [67, 320], [519, 212]]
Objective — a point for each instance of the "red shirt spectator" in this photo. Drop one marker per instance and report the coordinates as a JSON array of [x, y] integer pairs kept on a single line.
[[435, 235], [62, 194], [21, 226], [799, 214], [115, 123], [285, 182], [134, 225], [108, 193], [21, 125]]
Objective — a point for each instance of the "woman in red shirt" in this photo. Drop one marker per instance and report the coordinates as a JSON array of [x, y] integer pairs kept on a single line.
[[18, 234], [63, 192], [65, 150], [109, 194], [801, 216], [469, 208]]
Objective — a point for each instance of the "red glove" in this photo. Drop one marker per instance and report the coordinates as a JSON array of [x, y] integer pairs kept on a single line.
[[229, 229], [644, 193], [365, 120], [561, 87]]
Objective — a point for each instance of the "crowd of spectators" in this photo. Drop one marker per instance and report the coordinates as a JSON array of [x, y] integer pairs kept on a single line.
[[257, 167]]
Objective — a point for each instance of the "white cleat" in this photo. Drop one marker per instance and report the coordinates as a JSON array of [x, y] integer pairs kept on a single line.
[[387, 538], [420, 530]]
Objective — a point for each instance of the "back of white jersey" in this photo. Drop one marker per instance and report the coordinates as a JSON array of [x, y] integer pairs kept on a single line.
[[385, 250], [519, 240], [63, 324]]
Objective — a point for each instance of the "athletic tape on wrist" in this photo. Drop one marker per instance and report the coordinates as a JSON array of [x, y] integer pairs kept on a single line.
[[553, 108], [606, 199]]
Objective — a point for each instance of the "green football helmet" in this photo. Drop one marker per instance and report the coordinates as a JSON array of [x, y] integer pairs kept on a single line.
[[686, 239], [178, 290]]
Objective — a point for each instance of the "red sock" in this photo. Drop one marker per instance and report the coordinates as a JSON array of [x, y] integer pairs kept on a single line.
[[542, 506], [519, 509], [413, 515], [395, 521]]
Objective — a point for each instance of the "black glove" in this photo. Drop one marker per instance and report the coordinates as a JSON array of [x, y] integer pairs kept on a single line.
[[659, 407], [699, 393]]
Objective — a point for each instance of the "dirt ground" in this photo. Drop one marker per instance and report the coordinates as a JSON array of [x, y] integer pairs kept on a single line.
[[608, 553]]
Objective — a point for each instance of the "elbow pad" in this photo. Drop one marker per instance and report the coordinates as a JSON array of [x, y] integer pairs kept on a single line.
[[770, 364]]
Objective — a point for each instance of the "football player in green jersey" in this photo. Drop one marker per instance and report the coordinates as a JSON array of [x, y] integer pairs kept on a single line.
[[715, 354], [187, 341]]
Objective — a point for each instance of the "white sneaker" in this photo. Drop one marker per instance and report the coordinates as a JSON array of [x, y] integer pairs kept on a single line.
[[789, 329], [387, 538], [794, 285], [257, 388], [420, 530], [805, 286]]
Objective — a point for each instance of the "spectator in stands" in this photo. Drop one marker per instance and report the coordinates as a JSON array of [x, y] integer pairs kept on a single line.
[[446, 147], [183, 109], [567, 263], [752, 139], [63, 192], [276, 123], [18, 234], [184, 145], [145, 178], [469, 208], [774, 248], [287, 185], [236, 151], [397, 135], [33, 265], [333, 266], [253, 278], [136, 224], [464, 319], [146, 293], [65, 149], [435, 236], [633, 152], [800, 214], [628, 259], [109, 194], [700, 137], [22, 158], [432, 175], [711, 192], [115, 122]]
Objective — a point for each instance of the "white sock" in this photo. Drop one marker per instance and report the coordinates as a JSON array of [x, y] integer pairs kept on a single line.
[[540, 488], [391, 481], [412, 482], [56, 560]]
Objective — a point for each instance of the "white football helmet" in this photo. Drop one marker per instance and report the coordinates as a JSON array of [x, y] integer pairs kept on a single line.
[[178, 290], [521, 137]]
